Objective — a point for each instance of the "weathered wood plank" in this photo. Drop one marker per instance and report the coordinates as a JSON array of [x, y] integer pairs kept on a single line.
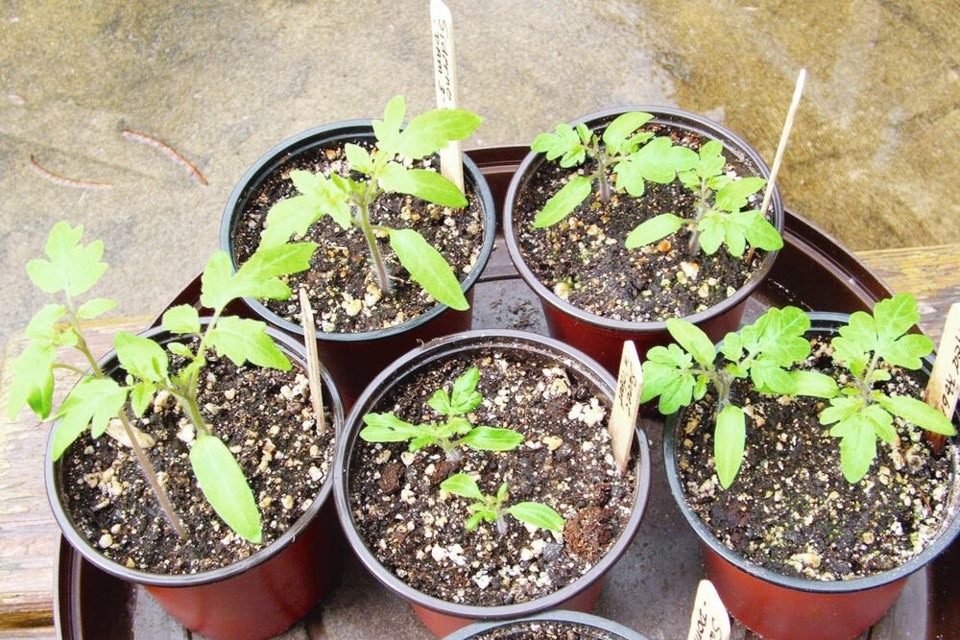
[[28, 534], [932, 274]]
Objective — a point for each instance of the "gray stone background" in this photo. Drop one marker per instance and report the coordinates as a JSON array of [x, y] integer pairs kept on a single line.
[[873, 158]]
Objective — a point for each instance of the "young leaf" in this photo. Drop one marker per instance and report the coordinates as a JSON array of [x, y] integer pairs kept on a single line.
[[428, 268], [858, 448], [140, 356], [243, 339], [182, 319], [358, 157], [917, 412], [564, 201], [464, 396], [73, 267], [492, 439], [617, 134], [32, 382], [259, 277], [225, 487], [461, 484], [440, 402], [653, 230], [728, 447], [43, 326], [563, 143], [95, 307], [386, 427], [734, 196], [693, 339], [431, 131], [538, 515], [93, 402], [422, 183]]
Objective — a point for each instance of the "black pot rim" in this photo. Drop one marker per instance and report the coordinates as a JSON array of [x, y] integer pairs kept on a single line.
[[442, 348], [336, 131], [823, 322], [662, 115], [557, 615], [296, 352]]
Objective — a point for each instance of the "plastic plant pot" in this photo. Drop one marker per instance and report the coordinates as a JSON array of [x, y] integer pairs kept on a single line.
[[602, 338], [784, 607], [353, 359], [259, 596], [585, 625], [444, 617]]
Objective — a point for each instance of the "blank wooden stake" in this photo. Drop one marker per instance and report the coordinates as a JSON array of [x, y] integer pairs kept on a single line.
[[313, 359], [445, 80], [782, 146]]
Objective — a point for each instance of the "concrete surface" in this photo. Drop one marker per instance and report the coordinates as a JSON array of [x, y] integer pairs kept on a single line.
[[873, 156]]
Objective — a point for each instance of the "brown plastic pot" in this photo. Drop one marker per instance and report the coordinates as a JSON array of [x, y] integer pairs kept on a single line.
[[257, 597], [583, 626], [444, 617], [603, 338], [783, 607], [355, 358]]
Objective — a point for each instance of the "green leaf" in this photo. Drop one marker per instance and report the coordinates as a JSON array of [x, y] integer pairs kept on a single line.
[[180, 349], [657, 161], [422, 183], [882, 423], [386, 427], [564, 201], [358, 157], [259, 277], [428, 268], [92, 403], [140, 356], [474, 521], [562, 143], [653, 230], [464, 396], [712, 233], [814, 384], [694, 340], [140, 397], [225, 487], [32, 382], [712, 161], [461, 484], [907, 351], [858, 449], [733, 197], [538, 515], [492, 439], [431, 131], [895, 316], [43, 326], [95, 307], [728, 447], [759, 232], [182, 319], [780, 336], [917, 412], [440, 402], [617, 134], [73, 267], [243, 339], [840, 409]]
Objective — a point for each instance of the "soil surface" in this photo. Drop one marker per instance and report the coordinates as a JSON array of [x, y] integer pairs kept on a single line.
[[341, 283], [266, 419], [417, 531], [583, 260], [790, 508]]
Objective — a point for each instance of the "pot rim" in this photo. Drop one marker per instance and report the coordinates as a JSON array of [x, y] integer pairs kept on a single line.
[[296, 352], [822, 322], [351, 129], [440, 349], [662, 115], [590, 620]]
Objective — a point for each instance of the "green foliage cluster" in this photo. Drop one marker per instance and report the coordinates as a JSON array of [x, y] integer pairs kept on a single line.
[[72, 269], [457, 430], [638, 157], [449, 434], [491, 508], [349, 201], [766, 351]]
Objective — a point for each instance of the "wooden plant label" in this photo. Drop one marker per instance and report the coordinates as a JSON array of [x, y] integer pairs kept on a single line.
[[709, 620], [944, 385], [313, 360], [626, 403], [445, 79]]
